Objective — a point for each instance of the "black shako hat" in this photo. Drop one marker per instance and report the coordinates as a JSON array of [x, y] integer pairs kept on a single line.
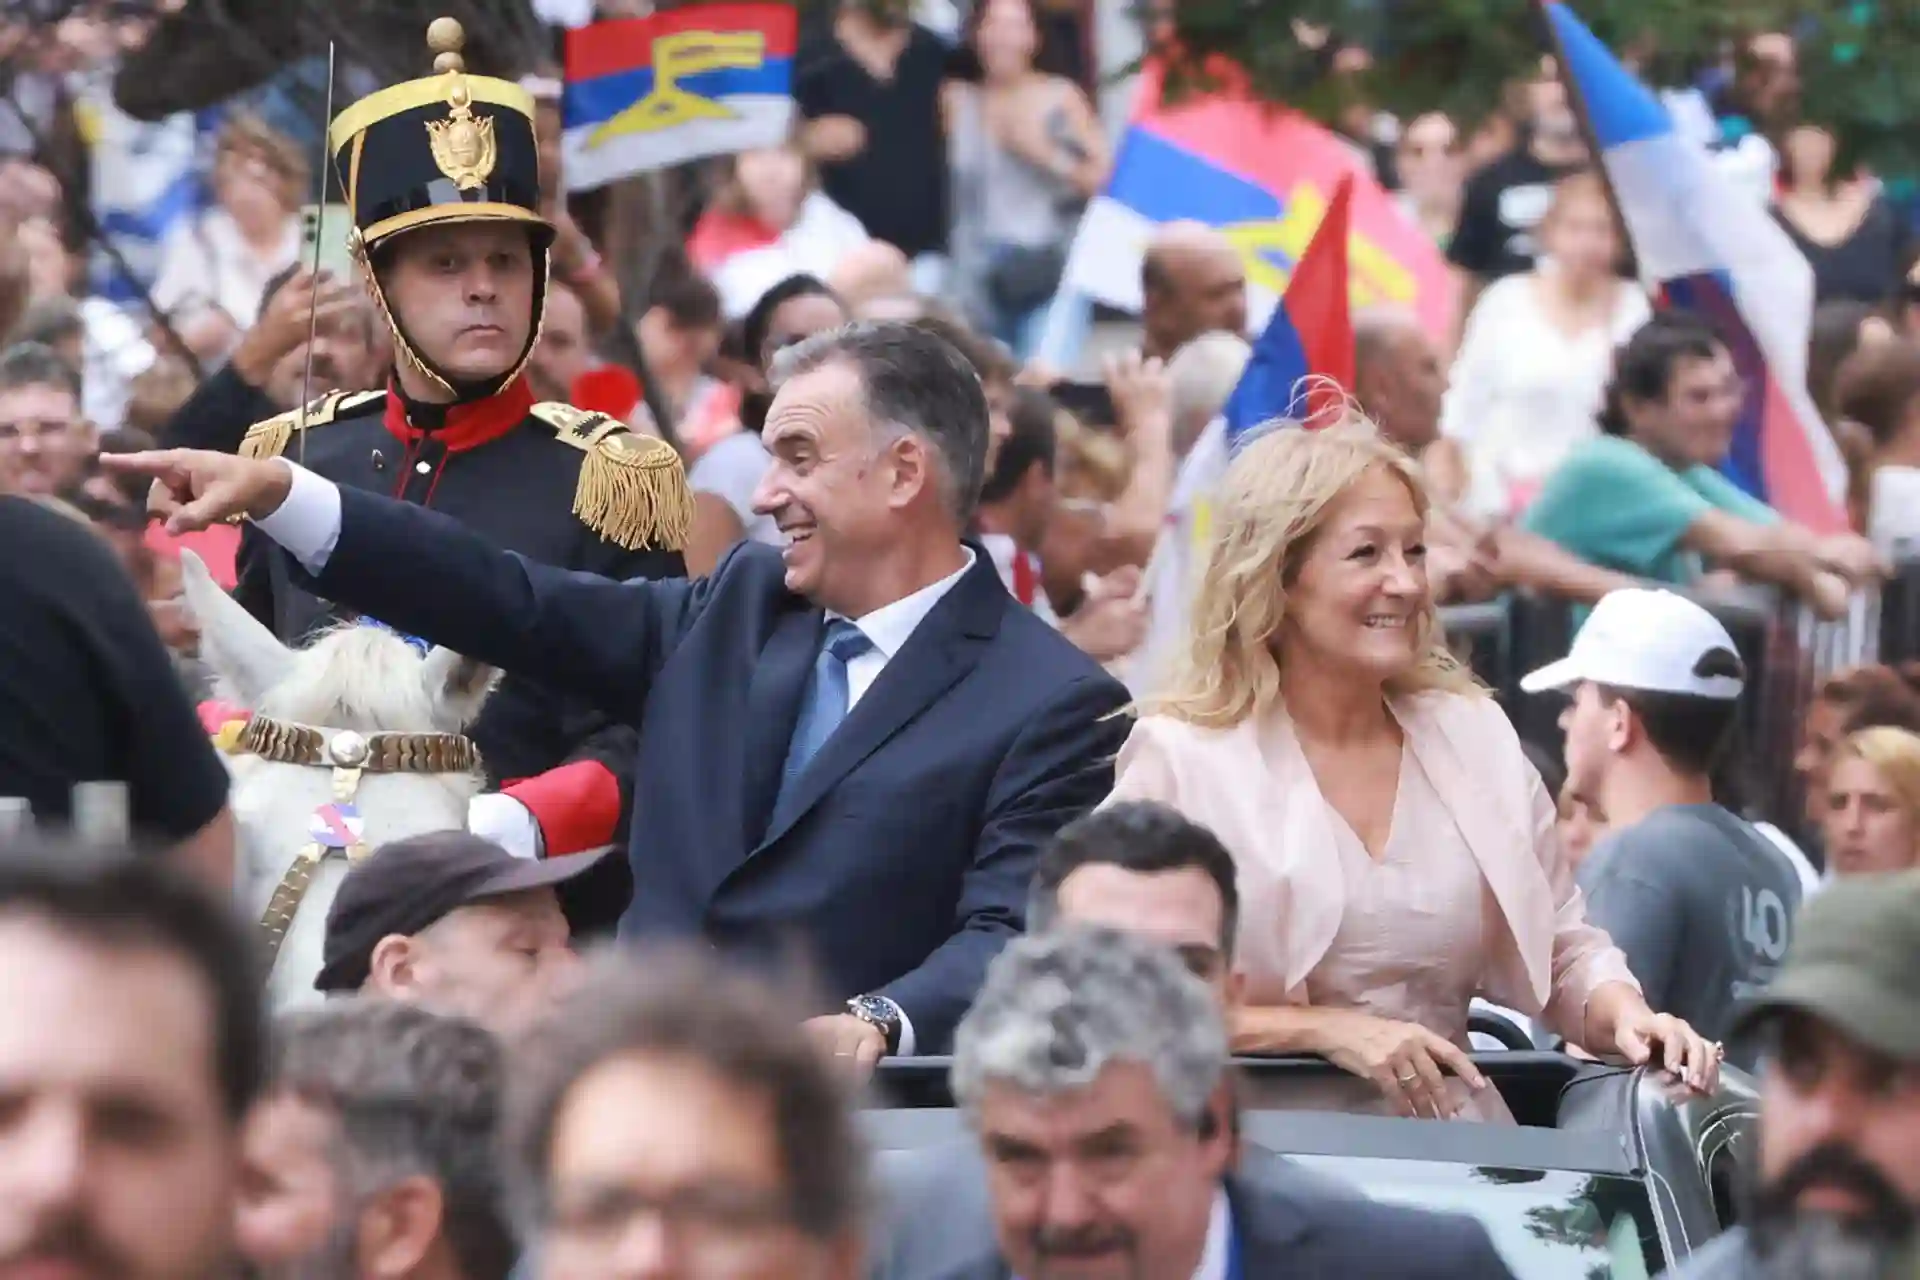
[[448, 148]]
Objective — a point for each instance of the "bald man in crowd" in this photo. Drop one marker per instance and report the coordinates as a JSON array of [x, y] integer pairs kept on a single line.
[[1192, 281], [1400, 379], [874, 273]]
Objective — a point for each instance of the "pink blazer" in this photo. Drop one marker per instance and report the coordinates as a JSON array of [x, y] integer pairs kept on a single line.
[[1252, 786]]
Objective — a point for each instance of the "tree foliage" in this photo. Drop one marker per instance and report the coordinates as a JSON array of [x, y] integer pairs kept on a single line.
[[1460, 55]]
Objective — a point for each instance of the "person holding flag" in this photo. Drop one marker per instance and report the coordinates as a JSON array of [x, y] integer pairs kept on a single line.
[[441, 177]]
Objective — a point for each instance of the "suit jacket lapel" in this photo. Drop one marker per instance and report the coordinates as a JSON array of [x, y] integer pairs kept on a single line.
[[778, 687], [1269, 1226], [940, 651]]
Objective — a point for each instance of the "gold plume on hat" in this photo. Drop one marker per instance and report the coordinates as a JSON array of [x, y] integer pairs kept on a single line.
[[463, 145]]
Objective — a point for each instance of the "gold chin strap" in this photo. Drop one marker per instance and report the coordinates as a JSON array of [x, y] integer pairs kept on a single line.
[[348, 755], [402, 349]]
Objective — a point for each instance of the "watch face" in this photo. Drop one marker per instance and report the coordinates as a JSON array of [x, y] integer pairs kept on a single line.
[[872, 1009]]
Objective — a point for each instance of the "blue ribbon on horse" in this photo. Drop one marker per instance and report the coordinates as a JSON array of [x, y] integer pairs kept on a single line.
[[419, 646]]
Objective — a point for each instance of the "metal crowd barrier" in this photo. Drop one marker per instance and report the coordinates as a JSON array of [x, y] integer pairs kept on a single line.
[[1787, 650], [100, 814]]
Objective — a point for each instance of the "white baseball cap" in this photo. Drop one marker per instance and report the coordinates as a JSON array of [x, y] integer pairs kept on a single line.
[[1647, 640]]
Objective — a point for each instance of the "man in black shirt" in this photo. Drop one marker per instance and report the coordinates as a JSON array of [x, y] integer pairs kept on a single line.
[[1505, 200], [88, 693], [870, 93]]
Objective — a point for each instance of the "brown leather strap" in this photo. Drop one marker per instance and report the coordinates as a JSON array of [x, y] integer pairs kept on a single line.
[[292, 890]]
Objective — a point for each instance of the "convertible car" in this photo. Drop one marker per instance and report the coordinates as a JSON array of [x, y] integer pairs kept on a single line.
[[1613, 1173]]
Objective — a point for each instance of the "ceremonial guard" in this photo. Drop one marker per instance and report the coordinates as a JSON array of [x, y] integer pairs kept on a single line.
[[441, 177]]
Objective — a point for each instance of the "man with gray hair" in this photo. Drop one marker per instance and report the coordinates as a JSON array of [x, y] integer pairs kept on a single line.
[[1094, 1069], [792, 700], [373, 1152]]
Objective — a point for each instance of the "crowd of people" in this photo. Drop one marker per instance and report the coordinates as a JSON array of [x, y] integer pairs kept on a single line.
[[863, 690]]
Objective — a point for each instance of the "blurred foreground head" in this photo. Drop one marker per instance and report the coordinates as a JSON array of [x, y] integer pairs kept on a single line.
[[131, 1046], [671, 1119]]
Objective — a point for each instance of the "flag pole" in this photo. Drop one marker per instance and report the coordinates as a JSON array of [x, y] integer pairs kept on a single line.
[[1584, 120]]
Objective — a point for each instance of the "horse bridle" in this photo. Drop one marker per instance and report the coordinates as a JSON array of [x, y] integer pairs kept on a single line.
[[349, 755]]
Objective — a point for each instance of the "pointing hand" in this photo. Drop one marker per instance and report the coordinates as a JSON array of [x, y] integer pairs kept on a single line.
[[194, 489]]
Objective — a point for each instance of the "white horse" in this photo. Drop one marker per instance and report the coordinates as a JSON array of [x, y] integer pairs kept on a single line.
[[354, 741]]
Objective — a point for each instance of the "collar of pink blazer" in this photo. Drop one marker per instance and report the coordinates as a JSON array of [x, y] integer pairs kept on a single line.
[[1252, 785]]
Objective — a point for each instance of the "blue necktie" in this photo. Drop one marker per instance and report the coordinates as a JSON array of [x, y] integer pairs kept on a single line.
[[826, 701]]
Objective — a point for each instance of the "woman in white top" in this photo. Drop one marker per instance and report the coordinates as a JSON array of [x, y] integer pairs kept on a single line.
[[725, 477], [1536, 354], [223, 259], [769, 221]]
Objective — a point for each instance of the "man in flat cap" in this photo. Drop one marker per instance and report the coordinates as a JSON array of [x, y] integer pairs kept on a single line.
[[1837, 1186], [454, 923]]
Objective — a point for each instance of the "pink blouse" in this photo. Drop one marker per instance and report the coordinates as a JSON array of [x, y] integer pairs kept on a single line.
[[1473, 894]]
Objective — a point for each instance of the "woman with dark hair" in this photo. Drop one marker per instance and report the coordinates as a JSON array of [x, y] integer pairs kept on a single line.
[[1839, 218], [1025, 151], [725, 476]]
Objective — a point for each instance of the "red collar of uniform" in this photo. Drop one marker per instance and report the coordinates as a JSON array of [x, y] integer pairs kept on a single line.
[[468, 426]]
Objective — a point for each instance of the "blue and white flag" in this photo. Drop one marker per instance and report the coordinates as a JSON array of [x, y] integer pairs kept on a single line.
[[1706, 247]]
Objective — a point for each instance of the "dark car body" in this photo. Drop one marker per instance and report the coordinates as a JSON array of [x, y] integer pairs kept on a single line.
[[1612, 1172]]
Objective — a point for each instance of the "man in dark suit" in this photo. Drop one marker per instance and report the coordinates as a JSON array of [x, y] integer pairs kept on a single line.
[[893, 850], [1094, 1069]]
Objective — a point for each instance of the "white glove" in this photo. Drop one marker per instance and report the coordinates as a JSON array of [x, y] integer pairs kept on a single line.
[[506, 822]]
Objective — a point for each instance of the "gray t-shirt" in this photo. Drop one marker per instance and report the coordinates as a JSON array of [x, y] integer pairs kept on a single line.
[[1701, 903]]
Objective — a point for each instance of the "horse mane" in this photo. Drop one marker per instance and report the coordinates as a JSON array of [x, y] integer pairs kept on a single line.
[[363, 678]]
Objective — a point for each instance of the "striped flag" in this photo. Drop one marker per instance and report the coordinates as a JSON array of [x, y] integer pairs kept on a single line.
[[1704, 246]]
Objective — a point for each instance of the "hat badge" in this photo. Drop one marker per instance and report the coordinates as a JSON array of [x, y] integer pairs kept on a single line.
[[463, 145]]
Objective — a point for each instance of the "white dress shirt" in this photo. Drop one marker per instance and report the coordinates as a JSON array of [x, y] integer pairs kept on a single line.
[[1219, 1251], [890, 626], [308, 526]]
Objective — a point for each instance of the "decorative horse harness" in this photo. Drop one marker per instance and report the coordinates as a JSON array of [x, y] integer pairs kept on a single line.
[[337, 827]]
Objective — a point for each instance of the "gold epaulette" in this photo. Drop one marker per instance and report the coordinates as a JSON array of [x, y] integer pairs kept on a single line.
[[632, 489], [269, 439]]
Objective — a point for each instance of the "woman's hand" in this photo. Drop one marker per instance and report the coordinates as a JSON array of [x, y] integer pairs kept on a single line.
[[1641, 1036], [1406, 1061]]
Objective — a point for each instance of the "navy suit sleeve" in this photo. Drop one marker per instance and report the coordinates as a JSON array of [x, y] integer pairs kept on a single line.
[[1059, 768], [426, 574]]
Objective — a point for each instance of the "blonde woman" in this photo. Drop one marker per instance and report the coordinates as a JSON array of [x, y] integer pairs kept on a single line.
[[1398, 854], [221, 261], [1872, 820]]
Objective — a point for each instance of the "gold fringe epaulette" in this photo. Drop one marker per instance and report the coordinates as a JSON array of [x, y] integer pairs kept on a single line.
[[269, 439], [632, 489]]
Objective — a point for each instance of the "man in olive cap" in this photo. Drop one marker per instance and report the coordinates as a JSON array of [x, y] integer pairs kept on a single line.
[[1838, 1179]]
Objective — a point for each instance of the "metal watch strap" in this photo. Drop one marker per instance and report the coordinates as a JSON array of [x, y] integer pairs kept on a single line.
[[881, 1013]]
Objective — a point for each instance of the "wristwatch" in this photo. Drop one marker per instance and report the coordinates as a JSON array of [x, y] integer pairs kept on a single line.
[[876, 1011]]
